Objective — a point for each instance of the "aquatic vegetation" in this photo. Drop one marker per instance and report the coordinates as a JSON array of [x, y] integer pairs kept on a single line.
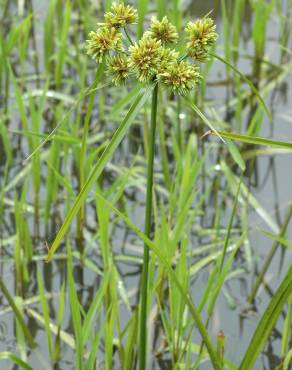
[[201, 37], [181, 77], [136, 230], [148, 58], [120, 16], [102, 41], [119, 68], [151, 62], [163, 31]]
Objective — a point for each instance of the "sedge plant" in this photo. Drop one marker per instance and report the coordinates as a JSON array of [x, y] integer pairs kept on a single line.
[[152, 60]]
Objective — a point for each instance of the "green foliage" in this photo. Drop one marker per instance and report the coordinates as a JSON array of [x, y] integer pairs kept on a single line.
[[129, 216]]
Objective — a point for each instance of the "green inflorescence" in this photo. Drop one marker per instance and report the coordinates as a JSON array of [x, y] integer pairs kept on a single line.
[[104, 40], [163, 30], [153, 57], [201, 37], [120, 16]]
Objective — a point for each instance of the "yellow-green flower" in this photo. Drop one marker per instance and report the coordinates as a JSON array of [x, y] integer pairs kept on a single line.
[[167, 57], [102, 41], [198, 53], [120, 15], [180, 77], [201, 37], [162, 30], [118, 69], [145, 58]]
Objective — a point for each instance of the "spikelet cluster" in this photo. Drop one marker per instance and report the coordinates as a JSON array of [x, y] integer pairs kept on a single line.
[[201, 37], [181, 77], [167, 57], [120, 16], [118, 68], [163, 31], [102, 41], [153, 57], [145, 58]]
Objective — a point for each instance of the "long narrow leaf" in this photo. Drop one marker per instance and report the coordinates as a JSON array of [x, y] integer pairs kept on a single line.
[[17, 314], [252, 139], [277, 238], [267, 322], [204, 118], [163, 259], [10, 356], [104, 159], [247, 81]]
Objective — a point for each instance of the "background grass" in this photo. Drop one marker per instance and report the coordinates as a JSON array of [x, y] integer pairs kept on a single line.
[[73, 157]]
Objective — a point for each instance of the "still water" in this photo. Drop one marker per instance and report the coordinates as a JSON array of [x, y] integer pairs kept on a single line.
[[272, 188]]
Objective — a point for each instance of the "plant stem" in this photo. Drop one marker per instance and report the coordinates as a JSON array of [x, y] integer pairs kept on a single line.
[[128, 35], [147, 230], [163, 147], [179, 134], [82, 158]]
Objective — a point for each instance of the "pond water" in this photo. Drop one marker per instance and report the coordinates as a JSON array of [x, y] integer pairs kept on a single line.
[[271, 187]]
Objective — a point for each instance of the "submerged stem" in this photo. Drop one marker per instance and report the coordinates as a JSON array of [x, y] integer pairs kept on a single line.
[[148, 218]]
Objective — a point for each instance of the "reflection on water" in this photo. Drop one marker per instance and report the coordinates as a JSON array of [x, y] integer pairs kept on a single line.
[[270, 182]]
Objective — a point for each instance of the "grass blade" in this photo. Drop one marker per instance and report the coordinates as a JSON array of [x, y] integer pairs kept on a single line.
[[163, 259], [10, 356], [267, 322], [204, 119], [255, 91], [277, 238], [63, 43], [17, 314], [226, 241], [75, 311], [287, 329], [253, 139], [105, 157], [45, 314]]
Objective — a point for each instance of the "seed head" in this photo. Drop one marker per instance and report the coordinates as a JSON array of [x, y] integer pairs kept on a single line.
[[102, 41], [167, 57], [201, 36], [118, 69], [120, 16], [181, 77], [145, 58], [162, 30]]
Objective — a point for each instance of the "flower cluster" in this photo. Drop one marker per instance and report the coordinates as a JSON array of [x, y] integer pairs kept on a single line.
[[118, 68], [201, 37], [162, 30], [120, 16], [153, 57], [102, 41], [181, 76], [145, 58]]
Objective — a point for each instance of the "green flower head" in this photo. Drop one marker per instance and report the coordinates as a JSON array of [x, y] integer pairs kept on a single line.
[[201, 36], [102, 41], [180, 77], [145, 58], [167, 57], [120, 16], [153, 57], [118, 69], [162, 30]]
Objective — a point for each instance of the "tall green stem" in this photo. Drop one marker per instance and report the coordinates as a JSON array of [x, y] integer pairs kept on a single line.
[[148, 218], [82, 154]]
